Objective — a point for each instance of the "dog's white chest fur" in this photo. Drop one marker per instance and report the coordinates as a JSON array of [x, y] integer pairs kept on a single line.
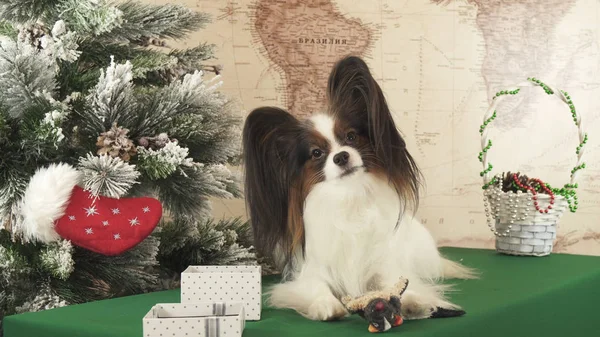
[[349, 225]]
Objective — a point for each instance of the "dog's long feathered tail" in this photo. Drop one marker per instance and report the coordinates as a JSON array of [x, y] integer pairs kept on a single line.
[[455, 270]]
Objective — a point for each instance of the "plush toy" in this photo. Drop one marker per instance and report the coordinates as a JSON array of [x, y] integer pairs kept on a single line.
[[380, 308]]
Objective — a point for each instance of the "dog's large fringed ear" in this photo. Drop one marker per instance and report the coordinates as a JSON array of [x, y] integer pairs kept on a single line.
[[353, 93], [270, 167]]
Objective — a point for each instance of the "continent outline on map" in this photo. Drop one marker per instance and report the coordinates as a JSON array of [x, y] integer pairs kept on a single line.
[[302, 40]]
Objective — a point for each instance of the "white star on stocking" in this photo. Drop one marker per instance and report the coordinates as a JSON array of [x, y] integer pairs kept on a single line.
[[105, 223], [117, 236], [146, 209], [116, 211], [134, 222], [89, 231], [72, 217], [90, 211]]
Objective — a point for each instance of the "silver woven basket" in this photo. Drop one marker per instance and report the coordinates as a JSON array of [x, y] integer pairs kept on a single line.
[[521, 229], [520, 234]]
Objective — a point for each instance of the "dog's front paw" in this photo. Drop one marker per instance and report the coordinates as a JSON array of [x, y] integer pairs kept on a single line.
[[326, 308], [414, 308]]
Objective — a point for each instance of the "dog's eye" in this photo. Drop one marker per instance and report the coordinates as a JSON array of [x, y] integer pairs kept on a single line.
[[375, 324], [316, 153], [351, 136]]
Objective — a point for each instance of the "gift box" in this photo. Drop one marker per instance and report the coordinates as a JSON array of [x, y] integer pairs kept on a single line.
[[195, 319], [224, 284]]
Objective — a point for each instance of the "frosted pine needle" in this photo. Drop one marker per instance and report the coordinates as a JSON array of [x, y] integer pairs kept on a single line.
[[23, 71], [93, 17], [113, 96], [57, 258], [107, 176], [161, 163], [45, 299]]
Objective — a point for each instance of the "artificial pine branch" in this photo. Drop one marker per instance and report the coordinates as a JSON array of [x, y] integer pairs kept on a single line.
[[13, 181], [77, 76], [6, 29], [97, 276], [24, 11], [164, 161], [86, 17], [150, 67], [112, 98], [40, 132], [56, 258], [24, 74], [185, 241], [4, 127], [193, 58], [18, 283], [106, 175], [44, 299], [185, 192], [156, 21], [144, 61]]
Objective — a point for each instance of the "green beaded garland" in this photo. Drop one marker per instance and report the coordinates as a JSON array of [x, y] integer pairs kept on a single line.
[[486, 122], [506, 92], [485, 149], [543, 85], [577, 168], [490, 183], [488, 169], [567, 191]]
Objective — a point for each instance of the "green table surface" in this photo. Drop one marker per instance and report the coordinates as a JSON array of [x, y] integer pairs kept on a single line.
[[556, 295]]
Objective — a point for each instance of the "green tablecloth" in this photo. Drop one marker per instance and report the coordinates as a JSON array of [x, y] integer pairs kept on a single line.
[[555, 295]]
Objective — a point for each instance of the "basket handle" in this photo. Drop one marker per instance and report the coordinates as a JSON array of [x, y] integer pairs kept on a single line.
[[490, 115]]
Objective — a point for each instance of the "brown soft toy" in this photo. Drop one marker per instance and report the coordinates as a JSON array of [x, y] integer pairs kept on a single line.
[[380, 308]]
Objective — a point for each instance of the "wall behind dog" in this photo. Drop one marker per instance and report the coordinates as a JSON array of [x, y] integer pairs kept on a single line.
[[439, 64]]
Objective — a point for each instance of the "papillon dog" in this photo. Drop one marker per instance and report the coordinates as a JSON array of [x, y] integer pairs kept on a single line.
[[332, 198]]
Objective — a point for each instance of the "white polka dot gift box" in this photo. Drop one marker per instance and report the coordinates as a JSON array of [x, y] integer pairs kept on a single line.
[[224, 284], [195, 319]]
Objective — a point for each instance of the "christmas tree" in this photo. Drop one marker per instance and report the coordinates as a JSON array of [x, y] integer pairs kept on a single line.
[[93, 86]]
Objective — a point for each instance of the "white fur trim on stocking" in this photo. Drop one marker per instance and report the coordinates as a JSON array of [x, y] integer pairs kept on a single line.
[[45, 200]]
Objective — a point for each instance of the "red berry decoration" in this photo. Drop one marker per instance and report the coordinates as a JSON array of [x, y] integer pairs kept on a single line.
[[543, 186]]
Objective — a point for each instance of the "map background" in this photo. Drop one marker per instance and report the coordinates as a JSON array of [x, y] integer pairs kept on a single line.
[[438, 66]]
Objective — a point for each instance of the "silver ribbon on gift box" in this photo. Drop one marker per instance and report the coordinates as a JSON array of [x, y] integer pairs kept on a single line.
[[211, 329], [219, 308]]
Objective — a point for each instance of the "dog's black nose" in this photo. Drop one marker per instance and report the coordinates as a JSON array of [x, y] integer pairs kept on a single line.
[[341, 158]]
